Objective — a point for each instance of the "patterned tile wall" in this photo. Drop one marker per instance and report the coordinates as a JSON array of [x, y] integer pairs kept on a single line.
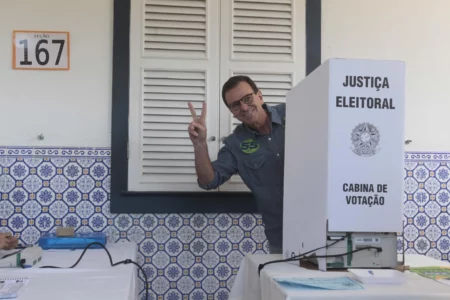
[[426, 198], [185, 256]]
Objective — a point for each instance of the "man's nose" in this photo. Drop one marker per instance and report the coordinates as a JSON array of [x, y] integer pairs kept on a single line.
[[244, 106]]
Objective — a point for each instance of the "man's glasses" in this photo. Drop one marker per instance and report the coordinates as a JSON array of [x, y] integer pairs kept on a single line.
[[236, 105]]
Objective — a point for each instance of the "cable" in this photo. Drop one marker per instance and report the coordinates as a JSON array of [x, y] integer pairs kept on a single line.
[[300, 256], [379, 249], [126, 261], [297, 257], [335, 242]]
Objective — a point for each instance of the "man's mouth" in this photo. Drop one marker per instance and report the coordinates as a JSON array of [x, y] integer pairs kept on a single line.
[[249, 112]]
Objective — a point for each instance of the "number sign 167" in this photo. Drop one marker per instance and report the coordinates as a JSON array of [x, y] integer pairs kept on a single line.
[[41, 50]]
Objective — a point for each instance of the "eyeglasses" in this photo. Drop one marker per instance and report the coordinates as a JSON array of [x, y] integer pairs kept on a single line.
[[236, 105]]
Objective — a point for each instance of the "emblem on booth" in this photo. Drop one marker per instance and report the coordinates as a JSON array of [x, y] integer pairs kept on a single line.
[[365, 140]]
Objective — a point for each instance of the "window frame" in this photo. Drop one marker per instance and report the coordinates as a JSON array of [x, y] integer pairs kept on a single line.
[[124, 201]]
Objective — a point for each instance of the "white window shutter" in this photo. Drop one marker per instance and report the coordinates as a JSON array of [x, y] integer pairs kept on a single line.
[[174, 58], [262, 30], [175, 28], [267, 43]]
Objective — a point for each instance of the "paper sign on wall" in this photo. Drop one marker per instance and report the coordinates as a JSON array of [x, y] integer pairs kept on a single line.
[[41, 50]]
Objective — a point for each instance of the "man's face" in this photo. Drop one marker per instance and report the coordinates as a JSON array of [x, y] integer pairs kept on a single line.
[[245, 105]]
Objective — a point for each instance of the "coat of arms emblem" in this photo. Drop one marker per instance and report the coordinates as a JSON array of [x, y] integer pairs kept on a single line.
[[365, 140]]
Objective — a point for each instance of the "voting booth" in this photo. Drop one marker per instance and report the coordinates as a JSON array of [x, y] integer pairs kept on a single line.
[[344, 154]]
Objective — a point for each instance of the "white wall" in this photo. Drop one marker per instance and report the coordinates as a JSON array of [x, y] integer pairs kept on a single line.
[[70, 108], [415, 31]]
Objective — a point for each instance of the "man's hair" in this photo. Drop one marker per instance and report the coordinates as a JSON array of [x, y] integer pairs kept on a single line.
[[232, 82]]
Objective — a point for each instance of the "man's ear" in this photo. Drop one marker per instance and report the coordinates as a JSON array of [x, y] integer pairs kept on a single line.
[[260, 95]]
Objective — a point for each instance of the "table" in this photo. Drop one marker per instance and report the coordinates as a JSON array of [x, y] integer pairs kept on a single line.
[[249, 286], [93, 277]]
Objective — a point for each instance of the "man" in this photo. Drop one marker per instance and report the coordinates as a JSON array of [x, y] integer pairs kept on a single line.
[[255, 151], [7, 241]]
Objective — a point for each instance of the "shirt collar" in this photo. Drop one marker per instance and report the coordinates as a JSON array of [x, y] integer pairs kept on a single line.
[[274, 116]]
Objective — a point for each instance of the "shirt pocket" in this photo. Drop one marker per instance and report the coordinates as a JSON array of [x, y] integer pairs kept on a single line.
[[255, 162], [254, 167]]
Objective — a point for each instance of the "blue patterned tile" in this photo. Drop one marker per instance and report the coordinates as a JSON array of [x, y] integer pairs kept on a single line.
[[7, 183], [185, 256], [426, 204]]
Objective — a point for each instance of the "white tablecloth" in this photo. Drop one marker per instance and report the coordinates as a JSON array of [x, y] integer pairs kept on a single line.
[[249, 286], [93, 277]]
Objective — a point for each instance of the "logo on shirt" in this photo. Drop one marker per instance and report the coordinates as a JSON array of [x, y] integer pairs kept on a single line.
[[365, 139], [249, 146]]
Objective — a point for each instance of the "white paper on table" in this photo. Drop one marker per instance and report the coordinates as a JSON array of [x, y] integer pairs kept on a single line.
[[379, 276], [10, 287]]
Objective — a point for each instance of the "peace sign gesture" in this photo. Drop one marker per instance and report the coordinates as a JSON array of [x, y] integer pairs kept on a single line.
[[197, 128]]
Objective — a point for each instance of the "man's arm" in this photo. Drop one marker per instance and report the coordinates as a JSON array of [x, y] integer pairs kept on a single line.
[[203, 165], [223, 168], [210, 175]]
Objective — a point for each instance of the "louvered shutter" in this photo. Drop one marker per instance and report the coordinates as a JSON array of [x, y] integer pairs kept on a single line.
[[268, 45], [175, 28], [262, 30], [174, 59]]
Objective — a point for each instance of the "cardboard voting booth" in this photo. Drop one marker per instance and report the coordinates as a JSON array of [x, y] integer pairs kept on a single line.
[[345, 162]]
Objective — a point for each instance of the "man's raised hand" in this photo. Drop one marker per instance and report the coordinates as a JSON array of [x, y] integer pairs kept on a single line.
[[197, 128]]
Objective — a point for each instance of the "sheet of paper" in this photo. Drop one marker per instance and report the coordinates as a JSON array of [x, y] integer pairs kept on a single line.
[[334, 283], [10, 287], [441, 274]]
